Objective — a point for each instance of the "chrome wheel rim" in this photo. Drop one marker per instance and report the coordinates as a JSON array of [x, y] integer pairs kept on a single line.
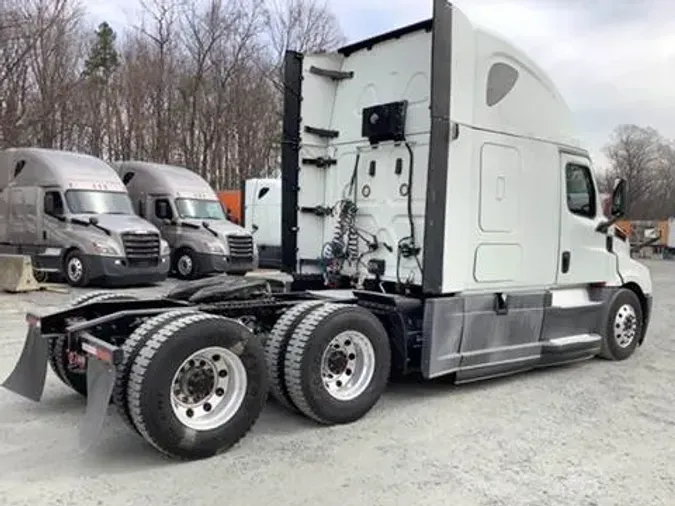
[[208, 388], [185, 265], [75, 269], [625, 325], [348, 365]]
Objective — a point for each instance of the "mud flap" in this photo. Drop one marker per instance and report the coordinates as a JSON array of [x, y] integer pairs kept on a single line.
[[100, 383], [28, 377]]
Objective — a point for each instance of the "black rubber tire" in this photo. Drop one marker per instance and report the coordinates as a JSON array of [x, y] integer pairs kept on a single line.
[[133, 344], [275, 347], [303, 363], [610, 348], [40, 276], [82, 281], [151, 376], [194, 273], [58, 354], [85, 298], [58, 360]]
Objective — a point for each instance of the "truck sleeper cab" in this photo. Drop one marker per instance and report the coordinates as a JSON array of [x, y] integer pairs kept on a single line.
[[71, 213], [436, 170], [190, 217], [438, 217]]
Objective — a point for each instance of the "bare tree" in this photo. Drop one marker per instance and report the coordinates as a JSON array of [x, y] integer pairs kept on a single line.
[[301, 25], [190, 83], [636, 154]]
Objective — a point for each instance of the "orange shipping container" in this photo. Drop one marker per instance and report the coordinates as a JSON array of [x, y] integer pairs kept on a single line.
[[231, 202]]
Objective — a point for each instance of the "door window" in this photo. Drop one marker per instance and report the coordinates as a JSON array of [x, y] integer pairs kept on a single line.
[[580, 190], [53, 203]]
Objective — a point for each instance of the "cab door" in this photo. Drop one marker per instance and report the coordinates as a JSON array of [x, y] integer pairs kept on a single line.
[[585, 255]]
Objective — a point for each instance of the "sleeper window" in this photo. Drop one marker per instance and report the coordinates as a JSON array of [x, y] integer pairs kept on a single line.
[[580, 190]]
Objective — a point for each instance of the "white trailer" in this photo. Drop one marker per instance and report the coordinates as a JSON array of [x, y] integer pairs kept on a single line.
[[262, 218]]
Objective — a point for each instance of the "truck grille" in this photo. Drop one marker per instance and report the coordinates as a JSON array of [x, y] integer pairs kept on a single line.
[[241, 248], [141, 249]]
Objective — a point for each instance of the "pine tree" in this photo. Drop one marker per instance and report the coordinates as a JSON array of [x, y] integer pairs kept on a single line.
[[103, 57]]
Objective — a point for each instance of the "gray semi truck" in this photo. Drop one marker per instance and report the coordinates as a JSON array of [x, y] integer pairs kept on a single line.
[[190, 217], [72, 215]]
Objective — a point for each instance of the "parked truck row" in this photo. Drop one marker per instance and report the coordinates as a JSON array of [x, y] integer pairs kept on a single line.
[[452, 228], [118, 224]]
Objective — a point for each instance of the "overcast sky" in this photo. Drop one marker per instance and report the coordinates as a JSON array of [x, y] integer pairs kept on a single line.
[[613, 61]]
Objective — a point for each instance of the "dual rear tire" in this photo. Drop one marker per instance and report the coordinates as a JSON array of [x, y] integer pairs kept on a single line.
[[329, 362], [192, 384]]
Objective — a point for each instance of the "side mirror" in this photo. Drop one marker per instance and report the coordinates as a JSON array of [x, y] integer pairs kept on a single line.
[[93, 220], [619, 199], [255, 228]]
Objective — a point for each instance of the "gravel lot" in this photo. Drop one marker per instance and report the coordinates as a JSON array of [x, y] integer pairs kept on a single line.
[[595, 433]]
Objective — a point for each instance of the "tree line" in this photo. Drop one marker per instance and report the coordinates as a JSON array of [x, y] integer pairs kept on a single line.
[[190, 83], [198, 84], [646, 159]]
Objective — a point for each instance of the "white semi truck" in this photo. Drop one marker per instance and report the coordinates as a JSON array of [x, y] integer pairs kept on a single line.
[[429, 226]]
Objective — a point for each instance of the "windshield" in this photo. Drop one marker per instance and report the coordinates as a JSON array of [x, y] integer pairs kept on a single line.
[[200, 209], [98, 202]]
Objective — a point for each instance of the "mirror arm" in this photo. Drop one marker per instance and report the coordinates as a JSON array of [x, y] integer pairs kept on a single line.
[[603, 226]]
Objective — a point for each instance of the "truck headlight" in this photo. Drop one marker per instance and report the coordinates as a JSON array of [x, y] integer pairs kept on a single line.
[[215, 247], [164, 247], [107, 249]]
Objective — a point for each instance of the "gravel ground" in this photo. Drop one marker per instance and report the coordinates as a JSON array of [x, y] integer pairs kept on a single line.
[[595, 433]]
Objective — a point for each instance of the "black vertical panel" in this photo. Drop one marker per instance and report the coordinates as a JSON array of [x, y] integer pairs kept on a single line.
[[242, 202], [437, 177], [290, 159]]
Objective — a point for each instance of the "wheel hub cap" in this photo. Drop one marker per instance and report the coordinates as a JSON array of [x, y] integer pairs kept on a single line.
[[348, 365], [625, 326], [75, 269], [208, 388], [185, 265]]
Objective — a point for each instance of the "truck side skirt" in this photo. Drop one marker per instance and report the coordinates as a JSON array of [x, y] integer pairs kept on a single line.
[[486, 335]]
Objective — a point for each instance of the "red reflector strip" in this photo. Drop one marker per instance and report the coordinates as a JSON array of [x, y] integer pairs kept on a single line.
[[100, 354]]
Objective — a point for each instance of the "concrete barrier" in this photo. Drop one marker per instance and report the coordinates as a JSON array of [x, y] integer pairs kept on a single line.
[[16, 274]]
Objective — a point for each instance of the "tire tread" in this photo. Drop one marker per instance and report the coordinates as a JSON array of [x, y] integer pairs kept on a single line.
[[276, 346], [294, 355], [130, 349]]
